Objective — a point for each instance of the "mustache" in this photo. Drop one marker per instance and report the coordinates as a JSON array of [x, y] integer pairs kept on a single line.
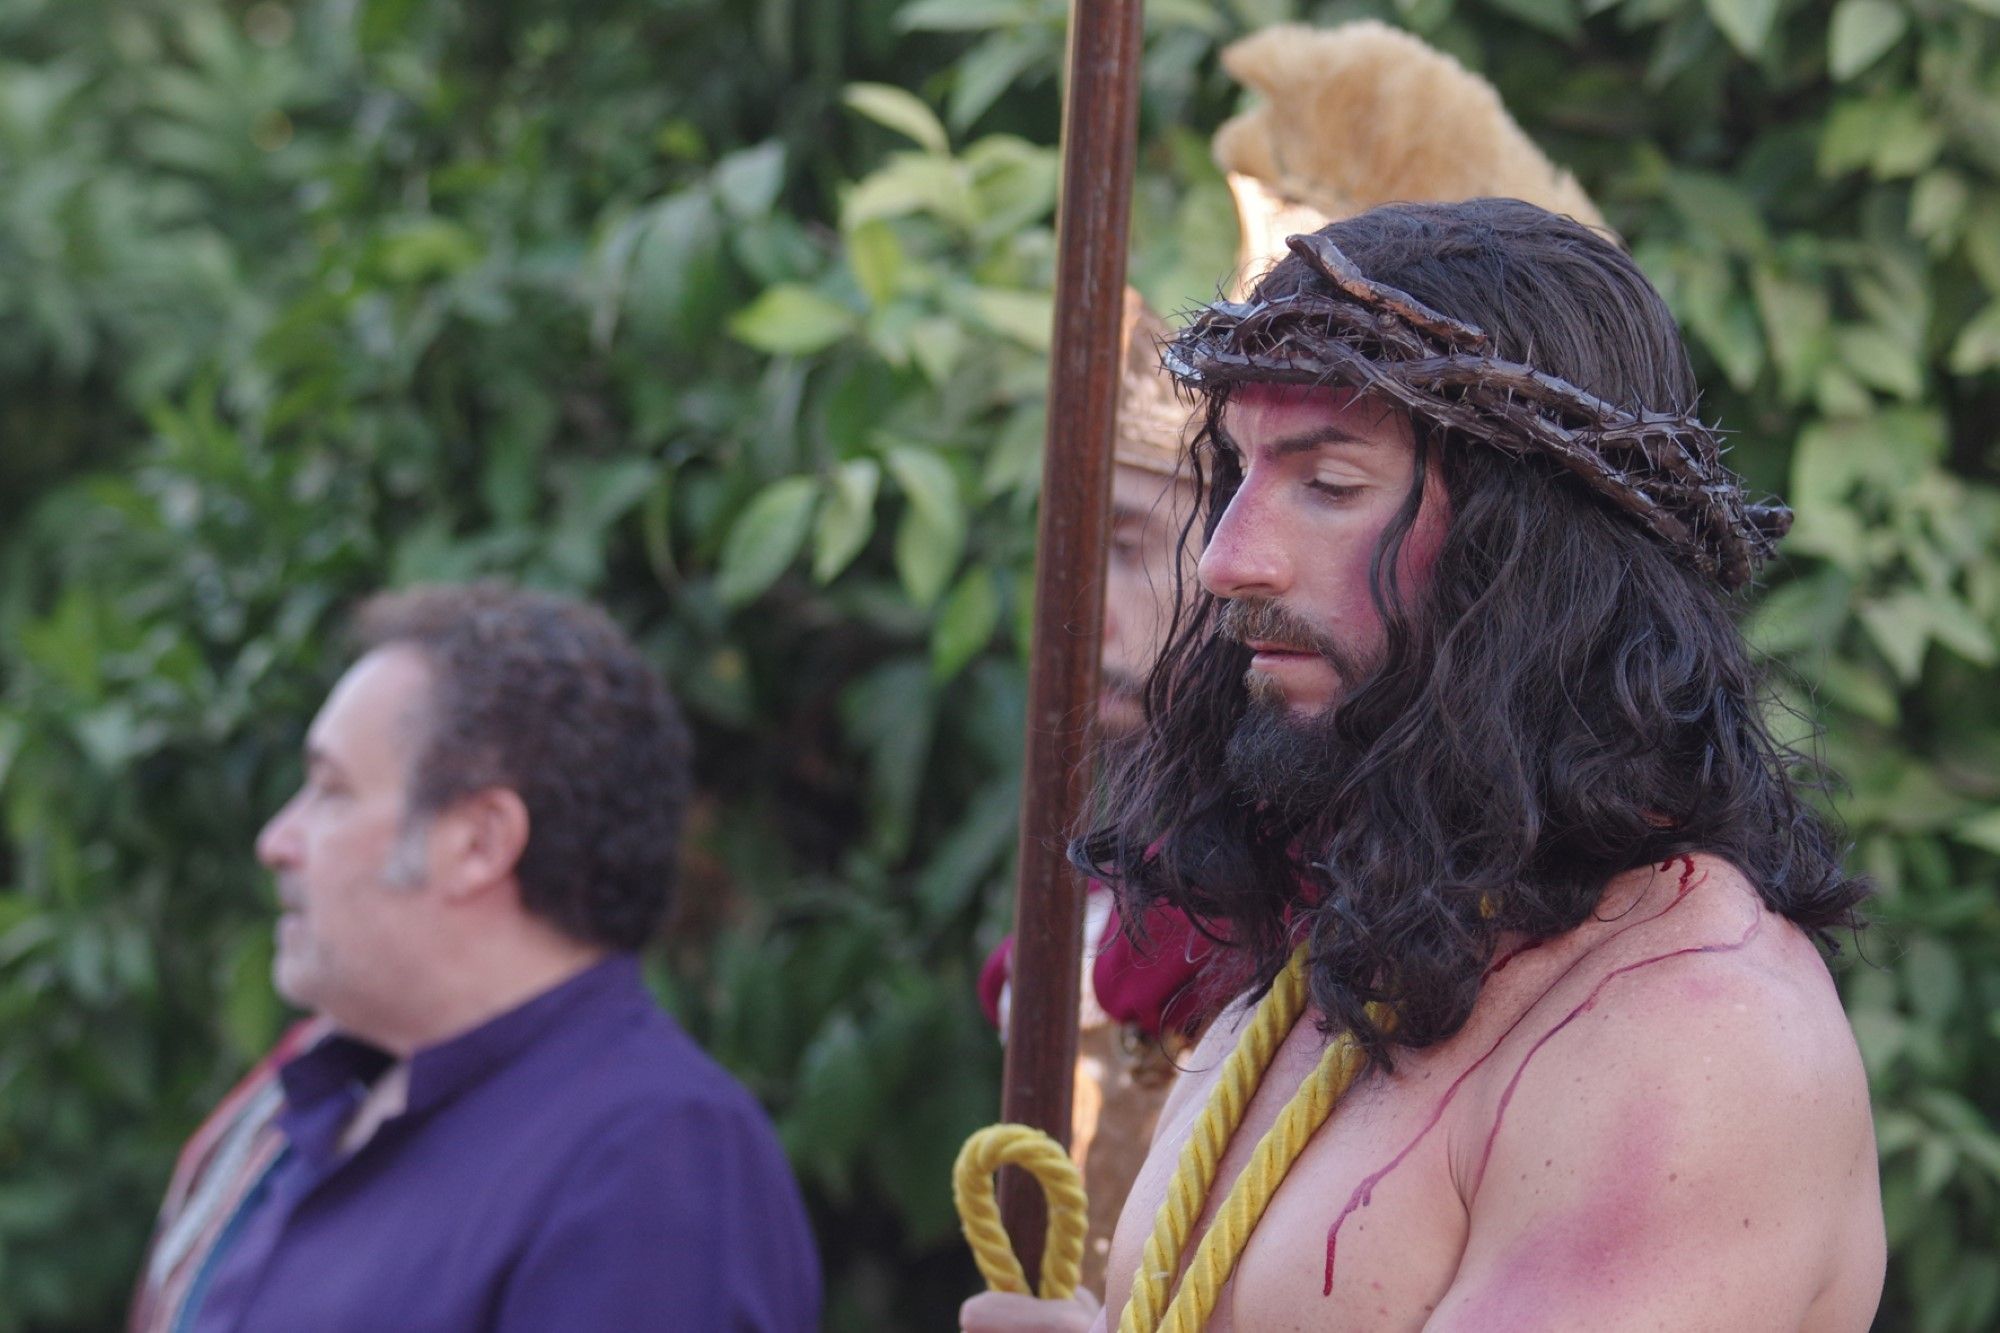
[[1260, 620], [1247, 620]]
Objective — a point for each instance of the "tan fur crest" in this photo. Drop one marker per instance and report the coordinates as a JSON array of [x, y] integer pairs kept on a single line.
[[1366, 114]]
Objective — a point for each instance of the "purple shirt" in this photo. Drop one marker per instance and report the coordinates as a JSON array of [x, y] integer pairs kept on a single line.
[[576, 1163]]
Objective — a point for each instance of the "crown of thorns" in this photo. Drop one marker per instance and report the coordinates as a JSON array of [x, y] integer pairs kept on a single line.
[[1664, 469]]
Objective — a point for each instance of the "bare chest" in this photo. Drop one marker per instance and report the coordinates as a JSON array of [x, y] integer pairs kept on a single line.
[[1365, 1231]]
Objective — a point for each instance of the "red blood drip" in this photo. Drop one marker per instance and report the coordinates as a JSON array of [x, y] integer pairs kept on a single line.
[[1486, 1154], [1364, 1193], [1500, 964]]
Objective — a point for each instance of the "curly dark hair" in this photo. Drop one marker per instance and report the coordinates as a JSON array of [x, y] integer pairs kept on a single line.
[[547, 697], [1565, 699]]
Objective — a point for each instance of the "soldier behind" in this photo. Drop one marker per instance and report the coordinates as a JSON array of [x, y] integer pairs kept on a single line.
[[489, 1124], [1461, 706]]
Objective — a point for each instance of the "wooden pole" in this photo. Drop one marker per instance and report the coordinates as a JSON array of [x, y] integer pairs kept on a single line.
[[1099, 130]]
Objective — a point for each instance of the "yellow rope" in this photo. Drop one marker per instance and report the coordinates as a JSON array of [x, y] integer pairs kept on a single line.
[[1215, 1258], [1188, 1191], [1148, 1310], [979, 1217]]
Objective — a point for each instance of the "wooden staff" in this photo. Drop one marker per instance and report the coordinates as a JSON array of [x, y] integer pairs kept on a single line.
[[1099, 129]]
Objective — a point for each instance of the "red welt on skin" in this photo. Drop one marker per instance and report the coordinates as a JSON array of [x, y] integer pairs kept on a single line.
[[1364, 1192]]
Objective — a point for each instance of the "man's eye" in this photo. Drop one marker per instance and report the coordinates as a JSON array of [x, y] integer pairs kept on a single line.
[[1333, 489]]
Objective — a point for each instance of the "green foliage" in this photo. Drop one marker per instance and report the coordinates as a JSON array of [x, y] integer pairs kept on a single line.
[[306, 298]]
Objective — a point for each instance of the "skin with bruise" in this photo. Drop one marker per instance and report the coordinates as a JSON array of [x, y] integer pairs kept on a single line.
[[1656, 1121]]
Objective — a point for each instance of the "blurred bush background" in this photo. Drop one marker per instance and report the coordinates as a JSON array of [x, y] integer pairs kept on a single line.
[[733, 314]]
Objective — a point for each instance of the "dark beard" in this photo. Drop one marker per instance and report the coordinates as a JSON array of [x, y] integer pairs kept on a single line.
[[1289, 764]]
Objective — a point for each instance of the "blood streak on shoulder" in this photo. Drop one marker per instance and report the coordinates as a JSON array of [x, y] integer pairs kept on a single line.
[[1364, 1193]]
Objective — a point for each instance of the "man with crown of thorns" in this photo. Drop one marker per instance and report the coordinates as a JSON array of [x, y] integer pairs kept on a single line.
[[1455, 713]]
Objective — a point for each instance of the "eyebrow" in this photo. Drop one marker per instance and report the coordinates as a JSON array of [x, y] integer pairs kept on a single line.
[[1303, 443]]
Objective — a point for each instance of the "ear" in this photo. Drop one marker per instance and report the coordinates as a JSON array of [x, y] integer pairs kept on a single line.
[[485, 835]]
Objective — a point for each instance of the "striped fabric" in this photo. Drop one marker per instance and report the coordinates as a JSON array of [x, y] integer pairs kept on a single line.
[[221, 1164]]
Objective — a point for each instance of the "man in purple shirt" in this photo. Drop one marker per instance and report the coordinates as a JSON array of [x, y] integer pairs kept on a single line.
[[489, 1124]]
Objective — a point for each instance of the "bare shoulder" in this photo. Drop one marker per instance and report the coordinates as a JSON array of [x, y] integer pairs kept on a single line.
[[1199, 1063], [1700, 972], [1685, 1089], [1691, 989]]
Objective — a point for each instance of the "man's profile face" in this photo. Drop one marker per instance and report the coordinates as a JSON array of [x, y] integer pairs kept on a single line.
[[348, 867], [1324, 472], [1147, 512]]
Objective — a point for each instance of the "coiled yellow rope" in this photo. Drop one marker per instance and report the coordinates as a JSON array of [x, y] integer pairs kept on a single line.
[[1149, 1310], [979, 1217]]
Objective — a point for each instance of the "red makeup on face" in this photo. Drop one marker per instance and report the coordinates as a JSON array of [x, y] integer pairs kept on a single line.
[[1324, 472]]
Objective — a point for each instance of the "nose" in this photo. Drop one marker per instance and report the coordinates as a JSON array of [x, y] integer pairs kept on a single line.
[[277, 841], [1112, 638], [1246, 556]]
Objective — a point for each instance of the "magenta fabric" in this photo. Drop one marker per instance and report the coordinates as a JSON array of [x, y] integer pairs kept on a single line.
[[1154, 989]]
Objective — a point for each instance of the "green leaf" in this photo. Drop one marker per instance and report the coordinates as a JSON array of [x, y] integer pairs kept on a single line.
[[1026, 317], [1719, 208], [1882, 1036], [1014, 187], [1937, 1158], [1796, 315], [656, 517], [931, 536], [1719, 312], [1862, 31], [764, 539], [1903, 624], [791, 320], [1746, 23], [962, 15], [1860, 690], [1982, 830], [992, 67], [981, 839], [1932, 978], [1802, 614], [1559, 18], [1900, 627], [250, 1011], [1891, 134], [1938, 207], [1977, 347], [1880, 360], [748, 181], [911, 183], [876, 257], [677, 280], [846, 517], [428, 248], [936, 346], [965, 623], [897, 109], [891, 713]]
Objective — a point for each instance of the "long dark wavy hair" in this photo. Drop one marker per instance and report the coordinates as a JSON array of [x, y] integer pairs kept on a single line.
[[1563, 701]]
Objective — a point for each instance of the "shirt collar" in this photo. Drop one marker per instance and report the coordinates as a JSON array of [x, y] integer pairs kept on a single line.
[[323, 1085], [439, 1073]]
